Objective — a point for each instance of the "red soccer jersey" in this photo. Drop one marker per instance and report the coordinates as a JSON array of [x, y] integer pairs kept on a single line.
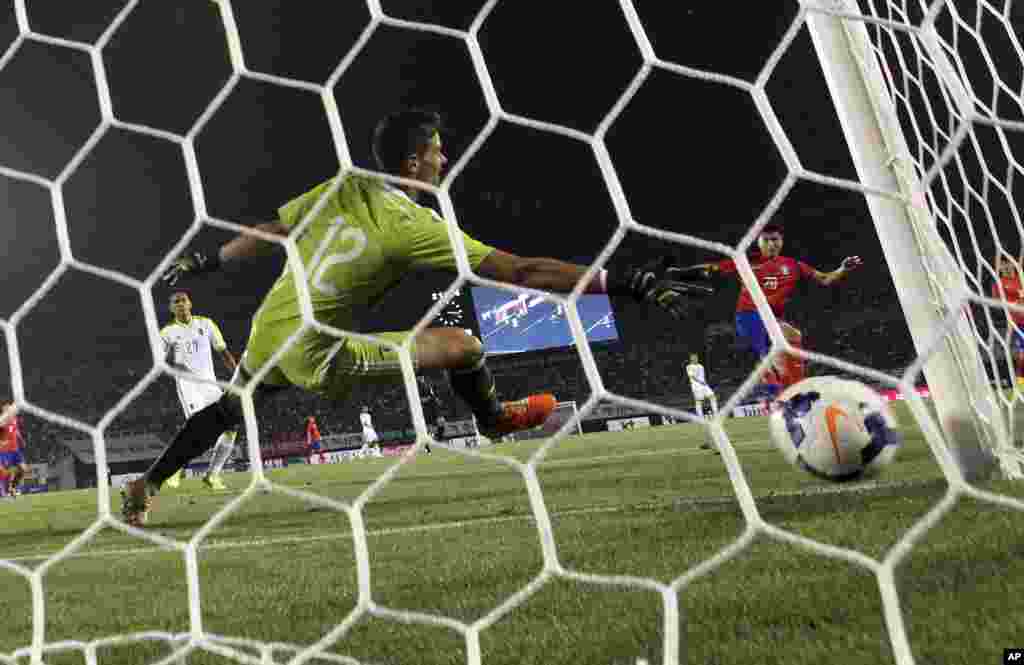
[[312, 433], [777, 277], [1009, 289], [10, 436]]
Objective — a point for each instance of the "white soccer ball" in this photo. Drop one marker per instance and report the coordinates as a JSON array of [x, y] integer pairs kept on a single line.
[[834, 429]]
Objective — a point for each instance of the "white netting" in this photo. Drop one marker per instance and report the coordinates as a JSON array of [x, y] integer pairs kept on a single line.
[[953, 73], [943, 137]]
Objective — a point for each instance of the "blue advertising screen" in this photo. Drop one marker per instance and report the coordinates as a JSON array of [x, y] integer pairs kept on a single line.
[[514, 323]]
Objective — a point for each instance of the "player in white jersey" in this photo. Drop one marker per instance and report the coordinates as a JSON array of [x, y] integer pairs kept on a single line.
[[702, 392], [369, 434], [189, 342]]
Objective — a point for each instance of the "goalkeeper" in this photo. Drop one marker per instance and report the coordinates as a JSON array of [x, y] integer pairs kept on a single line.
[[364, 239]]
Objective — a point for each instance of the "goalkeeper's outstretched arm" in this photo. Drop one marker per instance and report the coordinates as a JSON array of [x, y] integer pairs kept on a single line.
[[650, 283], [246, 246], [539, 273]]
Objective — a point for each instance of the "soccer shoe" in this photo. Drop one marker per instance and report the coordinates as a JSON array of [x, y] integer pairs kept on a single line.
[[174, 481], [521, 415], [135, 503], [214, 482]]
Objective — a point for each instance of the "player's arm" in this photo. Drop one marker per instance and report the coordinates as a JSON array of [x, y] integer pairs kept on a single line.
[[229, 360], [648, 283], [220, 346], [536, 273], [849, 264], [699, 271], [244, 246]]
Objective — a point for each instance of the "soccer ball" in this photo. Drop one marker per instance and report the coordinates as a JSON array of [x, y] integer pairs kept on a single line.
[[834, 429]]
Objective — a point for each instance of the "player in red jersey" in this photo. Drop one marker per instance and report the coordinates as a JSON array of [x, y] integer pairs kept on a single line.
[[778, 275], [1009, 289], [312, 436], [12, 462]]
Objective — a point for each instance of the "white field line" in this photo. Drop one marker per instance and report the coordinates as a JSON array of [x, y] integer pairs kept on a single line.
[[482, 521]]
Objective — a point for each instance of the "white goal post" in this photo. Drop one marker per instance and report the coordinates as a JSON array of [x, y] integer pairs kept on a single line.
[[931, 284]]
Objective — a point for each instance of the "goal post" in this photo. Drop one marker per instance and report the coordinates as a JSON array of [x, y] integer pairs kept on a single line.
[[930, 283]]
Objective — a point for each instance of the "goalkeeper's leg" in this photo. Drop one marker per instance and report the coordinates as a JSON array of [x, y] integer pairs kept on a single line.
[[451, 349], [472, 380]]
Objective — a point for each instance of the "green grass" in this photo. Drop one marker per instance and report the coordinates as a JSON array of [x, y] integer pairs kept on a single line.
[[453, 537]]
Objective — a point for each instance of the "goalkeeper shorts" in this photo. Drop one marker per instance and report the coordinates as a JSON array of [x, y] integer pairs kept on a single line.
[[324, 364]]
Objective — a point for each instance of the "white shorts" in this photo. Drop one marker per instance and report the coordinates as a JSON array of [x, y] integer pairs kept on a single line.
[[197, 396], [369, 436], [701, 393]]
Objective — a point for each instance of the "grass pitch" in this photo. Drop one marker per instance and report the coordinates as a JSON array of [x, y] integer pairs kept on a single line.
[[453, 537]]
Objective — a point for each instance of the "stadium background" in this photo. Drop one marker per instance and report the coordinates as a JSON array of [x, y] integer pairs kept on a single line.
[[693, 157]]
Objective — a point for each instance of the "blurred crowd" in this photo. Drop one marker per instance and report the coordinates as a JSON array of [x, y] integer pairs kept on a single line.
[[652, 369], [861, 323]]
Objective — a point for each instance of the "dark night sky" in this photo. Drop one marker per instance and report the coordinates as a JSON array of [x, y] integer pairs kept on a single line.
[[693, 156]]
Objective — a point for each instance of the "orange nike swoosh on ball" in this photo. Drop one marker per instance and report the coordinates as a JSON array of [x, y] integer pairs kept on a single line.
[[832, 414]]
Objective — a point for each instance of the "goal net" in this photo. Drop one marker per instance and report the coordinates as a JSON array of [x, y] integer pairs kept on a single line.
[[929, 96], [937, 153]]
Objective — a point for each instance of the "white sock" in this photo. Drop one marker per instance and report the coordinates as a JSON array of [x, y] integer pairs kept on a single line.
[[222, 451]]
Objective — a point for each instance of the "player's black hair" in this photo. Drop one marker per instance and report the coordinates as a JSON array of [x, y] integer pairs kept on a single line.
[[401, 134], [175, 292], [772, 228]]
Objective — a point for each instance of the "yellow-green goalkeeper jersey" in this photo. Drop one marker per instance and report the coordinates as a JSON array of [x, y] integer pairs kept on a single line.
[[366, 237]]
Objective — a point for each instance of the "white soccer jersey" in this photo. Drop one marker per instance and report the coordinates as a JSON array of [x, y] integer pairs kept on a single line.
[[698, 380], [192, 345], [369, 434]]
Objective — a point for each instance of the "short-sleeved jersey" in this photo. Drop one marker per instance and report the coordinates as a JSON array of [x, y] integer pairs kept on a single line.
[[312, 433], [366, 237], [777, 277], [366, 420], [193, 344], [10, 435], [1009, 289], [698, 380]]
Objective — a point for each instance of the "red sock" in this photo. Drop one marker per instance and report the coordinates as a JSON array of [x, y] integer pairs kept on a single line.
[[793, 366]]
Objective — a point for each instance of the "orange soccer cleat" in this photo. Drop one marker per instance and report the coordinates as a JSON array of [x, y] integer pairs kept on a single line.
[[135, 503], [520, 415]]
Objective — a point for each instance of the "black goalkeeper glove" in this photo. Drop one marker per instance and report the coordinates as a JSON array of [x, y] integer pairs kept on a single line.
[[695, 273], [653, 283], [196, 263]]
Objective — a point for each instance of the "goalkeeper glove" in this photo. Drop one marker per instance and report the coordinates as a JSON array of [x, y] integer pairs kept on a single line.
[[688, 274], [652, 283], [195, 263]]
